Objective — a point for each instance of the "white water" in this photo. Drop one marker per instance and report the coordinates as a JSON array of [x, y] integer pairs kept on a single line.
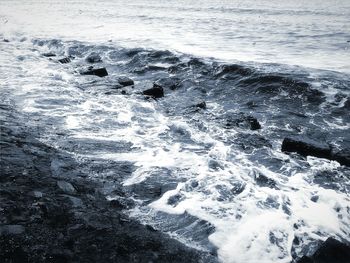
[[245, 224]]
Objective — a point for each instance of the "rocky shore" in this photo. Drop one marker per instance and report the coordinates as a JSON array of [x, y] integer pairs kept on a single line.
[[45, 218], [50, 214]]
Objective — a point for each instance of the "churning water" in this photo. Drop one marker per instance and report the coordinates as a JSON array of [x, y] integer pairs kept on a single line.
[[202, 175]]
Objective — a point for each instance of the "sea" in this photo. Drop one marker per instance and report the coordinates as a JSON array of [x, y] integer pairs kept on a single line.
[[194, 164]]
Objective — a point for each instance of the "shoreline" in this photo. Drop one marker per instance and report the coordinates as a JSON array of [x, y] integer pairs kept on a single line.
[[46, 218]]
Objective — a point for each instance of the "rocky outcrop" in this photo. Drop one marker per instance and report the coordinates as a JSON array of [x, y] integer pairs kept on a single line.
[[100, 72], [331, 251], [93, 58], [65, 60], [155, 92], [125, 81], [308, 147], [46, 217]]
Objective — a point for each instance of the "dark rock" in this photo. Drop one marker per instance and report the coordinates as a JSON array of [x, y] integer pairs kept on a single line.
[[93, 58], [117, 86], [168, 83], [36, 194], [314, 198], [155, 92], [331, 250], [264, 181], [243, 121], [76, 202], [342, 157], [6, 40], [66, 187], [201, 105], [305, 259], [11, 230], [100, 72], [125, 81], [307, 147], [49, 54], [64, 60]]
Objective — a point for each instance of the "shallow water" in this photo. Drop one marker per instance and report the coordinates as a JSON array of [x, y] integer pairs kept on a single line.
[[198, 174]]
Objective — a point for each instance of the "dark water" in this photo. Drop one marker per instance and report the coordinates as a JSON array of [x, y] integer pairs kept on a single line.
[[212, 175]]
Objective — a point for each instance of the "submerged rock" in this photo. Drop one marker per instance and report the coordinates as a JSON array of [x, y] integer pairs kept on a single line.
[[100, 72], [201, 105], [66, 187], [93, 58], [11, 230], [125, 81], [49, 54], [331, 250], [168, 83], [64, 60], [307, 147], [243, 121], [155, 92]]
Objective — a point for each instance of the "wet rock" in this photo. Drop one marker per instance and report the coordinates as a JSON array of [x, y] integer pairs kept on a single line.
[[314, 198], [66, 187], [93, 58], [201, 105], [125, 81], [264, 181], [306, 148], [49, 54], [36, 194], [331, 250], [100, 72], [251, 142], [64, 60], [76, 202], [155, 92], [243, 121], [342, 157], [11, 230], [174, 200], [168, 83]]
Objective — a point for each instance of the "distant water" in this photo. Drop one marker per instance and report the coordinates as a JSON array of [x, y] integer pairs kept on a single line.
[[313, 33], [200, 175]]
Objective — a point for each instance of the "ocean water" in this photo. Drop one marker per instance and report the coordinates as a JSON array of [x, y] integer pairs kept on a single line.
[[200, 175]]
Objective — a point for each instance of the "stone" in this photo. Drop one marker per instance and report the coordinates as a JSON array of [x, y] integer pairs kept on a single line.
[[64, 60], [36, 194], [12, 230], [201, 105], [331, 250], [308, 147], [49, 54], [342, 157], [168, 83], [125, 81], [243, 121], [100, 72], [155, 92], [76, 202], [66, 187], [264, 181], [93, 58]]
